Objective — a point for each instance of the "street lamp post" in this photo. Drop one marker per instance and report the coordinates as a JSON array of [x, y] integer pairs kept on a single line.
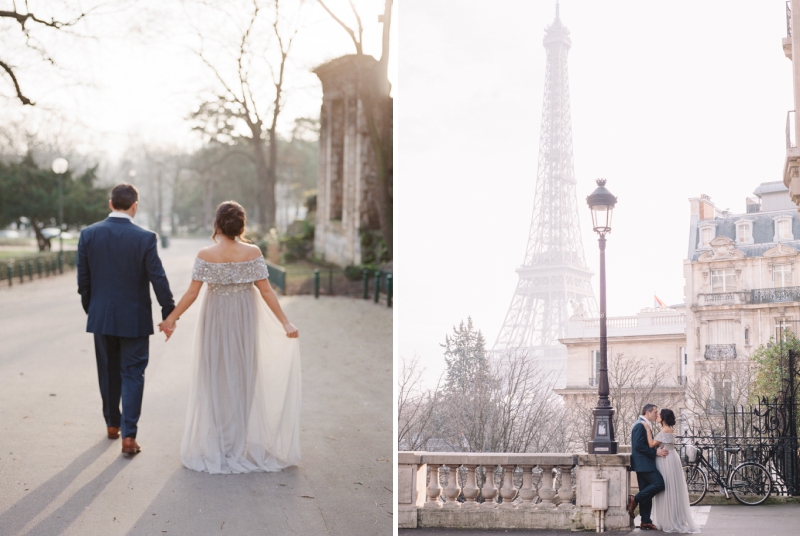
[[601, 202], [60, 166]]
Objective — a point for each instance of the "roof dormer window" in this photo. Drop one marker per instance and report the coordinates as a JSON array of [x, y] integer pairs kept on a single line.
[[744, 232], [783, 228], [707, 234]]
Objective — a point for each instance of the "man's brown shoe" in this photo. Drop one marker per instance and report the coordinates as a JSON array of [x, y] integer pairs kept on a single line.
[[130, 446], [648, 526], [632, 505], [113, 432]]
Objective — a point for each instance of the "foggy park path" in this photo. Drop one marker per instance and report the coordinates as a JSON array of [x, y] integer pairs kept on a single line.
[[61, 475]]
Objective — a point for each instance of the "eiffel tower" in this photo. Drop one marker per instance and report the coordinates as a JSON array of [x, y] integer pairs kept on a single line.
[[553, 277]]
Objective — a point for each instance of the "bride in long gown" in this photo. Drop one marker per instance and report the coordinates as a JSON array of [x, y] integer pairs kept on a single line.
[[671, 512], [244, 401]]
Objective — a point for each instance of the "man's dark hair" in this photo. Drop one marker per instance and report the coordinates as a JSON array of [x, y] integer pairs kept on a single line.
[[648, 408], [123, 196]]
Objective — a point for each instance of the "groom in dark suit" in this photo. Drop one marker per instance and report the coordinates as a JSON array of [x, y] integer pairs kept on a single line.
[[117, 262], [643, 461]]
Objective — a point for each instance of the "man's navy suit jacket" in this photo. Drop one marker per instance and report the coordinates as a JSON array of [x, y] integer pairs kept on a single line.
[[117, 261], [643, 456]]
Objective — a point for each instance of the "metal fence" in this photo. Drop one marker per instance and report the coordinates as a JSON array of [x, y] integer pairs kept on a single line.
[[18, 270]]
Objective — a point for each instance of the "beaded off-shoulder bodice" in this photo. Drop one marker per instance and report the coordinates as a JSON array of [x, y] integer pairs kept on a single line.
[[667, 440], [229, 277]]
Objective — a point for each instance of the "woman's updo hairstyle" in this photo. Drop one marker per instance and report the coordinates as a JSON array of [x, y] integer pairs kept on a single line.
[[229, 221], [668, 417]]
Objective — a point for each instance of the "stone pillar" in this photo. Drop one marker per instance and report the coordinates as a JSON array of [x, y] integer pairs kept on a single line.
[[614, 467], [453, 490], [411, 494], [470, 489], [434, 490], [527, 493], [546, 491], [508, 491]]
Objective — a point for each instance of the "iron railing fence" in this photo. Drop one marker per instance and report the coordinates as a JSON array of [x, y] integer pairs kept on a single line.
[[27, 267]]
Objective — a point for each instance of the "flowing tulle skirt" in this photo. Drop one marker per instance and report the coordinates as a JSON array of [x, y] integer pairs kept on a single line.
[[671, 511], [244, 402]]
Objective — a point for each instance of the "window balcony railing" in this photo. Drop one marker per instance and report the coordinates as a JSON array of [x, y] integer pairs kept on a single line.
[[775, 295], [718, 352], [791, 137]]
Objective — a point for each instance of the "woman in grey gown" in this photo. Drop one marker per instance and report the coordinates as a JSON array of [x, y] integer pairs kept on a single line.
[[671, 512], [244, 401]]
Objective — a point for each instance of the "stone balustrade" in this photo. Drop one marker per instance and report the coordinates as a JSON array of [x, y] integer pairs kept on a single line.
[[536, 491]]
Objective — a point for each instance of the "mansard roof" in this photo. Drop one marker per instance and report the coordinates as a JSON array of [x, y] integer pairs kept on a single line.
[[763, 232]]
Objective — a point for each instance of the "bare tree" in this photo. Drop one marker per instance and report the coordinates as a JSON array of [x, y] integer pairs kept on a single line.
[[633, 382], [20, 28], [512, 409], [717, 387], [259, 44], [377, 106], [415, 406]]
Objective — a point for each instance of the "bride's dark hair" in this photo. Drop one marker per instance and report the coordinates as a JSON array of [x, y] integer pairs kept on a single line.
[[668, 417], [230, 221]]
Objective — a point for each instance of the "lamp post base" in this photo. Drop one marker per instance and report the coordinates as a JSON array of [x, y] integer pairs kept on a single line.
[[603, 441]]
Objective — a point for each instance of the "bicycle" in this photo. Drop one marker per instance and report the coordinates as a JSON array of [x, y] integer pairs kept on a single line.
[[749, 481]]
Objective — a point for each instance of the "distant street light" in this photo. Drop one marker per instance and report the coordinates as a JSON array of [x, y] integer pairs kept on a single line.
[[60, 166], [601, 202]]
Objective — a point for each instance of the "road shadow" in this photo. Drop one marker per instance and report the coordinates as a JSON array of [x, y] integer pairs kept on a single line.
[[26, 509], [252, 503]]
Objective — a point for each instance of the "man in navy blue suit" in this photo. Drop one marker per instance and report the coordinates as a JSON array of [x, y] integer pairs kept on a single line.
[[117, 263], [643, 461]]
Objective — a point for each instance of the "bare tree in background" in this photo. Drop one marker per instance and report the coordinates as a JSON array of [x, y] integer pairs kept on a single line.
[[415, 407], [262, 45], [633, 382], [377, 106], [20, 28], [719, 386]]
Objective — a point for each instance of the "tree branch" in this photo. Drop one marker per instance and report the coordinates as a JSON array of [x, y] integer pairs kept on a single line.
[[23, 99], [349, 30]]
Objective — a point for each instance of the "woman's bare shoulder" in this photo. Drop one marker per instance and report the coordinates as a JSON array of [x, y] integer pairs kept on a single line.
[[207, 253]]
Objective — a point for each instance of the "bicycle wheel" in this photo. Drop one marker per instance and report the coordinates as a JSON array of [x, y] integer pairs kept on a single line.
[[696, 482], [750, 483]]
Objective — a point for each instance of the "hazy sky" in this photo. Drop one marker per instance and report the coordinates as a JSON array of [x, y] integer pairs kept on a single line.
[[669, 101], [140, 77]]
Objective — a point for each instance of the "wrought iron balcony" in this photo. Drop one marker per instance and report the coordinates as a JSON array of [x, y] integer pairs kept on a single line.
[[718, 352], [775, 295]]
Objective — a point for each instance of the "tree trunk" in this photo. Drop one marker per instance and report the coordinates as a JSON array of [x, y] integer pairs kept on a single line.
[[42, 242]]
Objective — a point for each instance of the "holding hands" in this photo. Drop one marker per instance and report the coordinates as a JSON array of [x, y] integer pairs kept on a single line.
[[168, 327]]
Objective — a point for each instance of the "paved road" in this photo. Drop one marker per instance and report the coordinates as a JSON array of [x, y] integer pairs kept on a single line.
[[765, 520], [60, 475]]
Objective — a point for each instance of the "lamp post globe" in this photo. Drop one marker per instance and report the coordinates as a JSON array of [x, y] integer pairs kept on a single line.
[[602, 202], [60, 166]]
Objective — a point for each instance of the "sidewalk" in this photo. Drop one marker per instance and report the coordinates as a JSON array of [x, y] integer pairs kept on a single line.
[[765, 520], [60, 475]]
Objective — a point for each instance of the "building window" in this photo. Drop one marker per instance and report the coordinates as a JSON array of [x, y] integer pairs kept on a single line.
[[683, 361], [720, 331], [595, 373], [744, 232], [782, 275], [723, 280], [783, 228], [706, 236], [747, 336]]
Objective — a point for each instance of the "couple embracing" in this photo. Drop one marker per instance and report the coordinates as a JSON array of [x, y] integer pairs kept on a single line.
[[663, 498], [244, 400]]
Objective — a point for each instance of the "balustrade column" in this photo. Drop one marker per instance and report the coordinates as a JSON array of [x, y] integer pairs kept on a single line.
[[508, 491], [434, 489], [528, 491], [453, 490], [470, 489], [565, 491], [489, 489], [546, 491]]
